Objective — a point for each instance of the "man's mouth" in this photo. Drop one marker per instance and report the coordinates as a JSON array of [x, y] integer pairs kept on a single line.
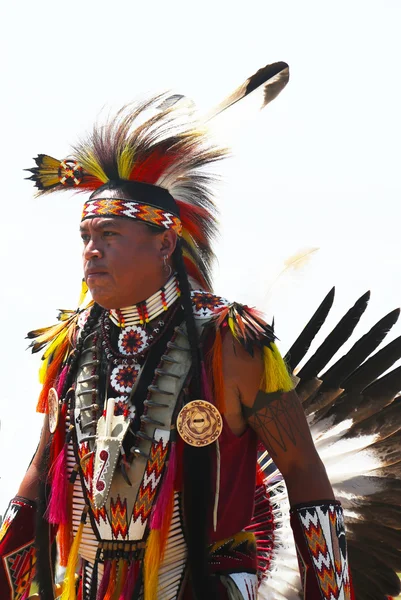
[[92, 274]]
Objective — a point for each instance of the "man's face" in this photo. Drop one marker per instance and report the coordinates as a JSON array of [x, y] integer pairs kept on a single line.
[[122, 260]]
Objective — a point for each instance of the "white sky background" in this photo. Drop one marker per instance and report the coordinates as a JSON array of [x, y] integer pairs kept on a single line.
[[318, 167]]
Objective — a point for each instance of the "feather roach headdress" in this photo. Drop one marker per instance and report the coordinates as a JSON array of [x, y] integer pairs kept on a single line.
[[149, 163], [152, 163]]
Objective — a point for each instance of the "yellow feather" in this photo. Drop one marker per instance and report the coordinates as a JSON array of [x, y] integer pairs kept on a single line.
[[69, 588], [151, 564], [276, 376], [84, 291], [231, 326], [189, 239], [125, 162], [42, 371], [48, 162], [88, 161], [58, 340]]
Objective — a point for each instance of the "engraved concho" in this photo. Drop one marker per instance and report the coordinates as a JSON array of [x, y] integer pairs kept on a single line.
[[199, 423], [52, 400]]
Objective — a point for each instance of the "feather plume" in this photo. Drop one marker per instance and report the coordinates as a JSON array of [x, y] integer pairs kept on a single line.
[[354, 414], [343, 368], [269, 81]]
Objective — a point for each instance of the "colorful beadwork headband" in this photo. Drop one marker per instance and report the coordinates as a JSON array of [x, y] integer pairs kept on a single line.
[[129, 199]]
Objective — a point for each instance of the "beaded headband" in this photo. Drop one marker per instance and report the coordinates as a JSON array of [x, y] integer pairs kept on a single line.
[[129, 199]]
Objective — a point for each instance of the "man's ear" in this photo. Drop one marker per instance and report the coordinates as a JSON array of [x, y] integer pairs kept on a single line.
[[168, 242]]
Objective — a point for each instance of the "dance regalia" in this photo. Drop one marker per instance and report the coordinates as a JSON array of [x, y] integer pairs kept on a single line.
[[145, 490]]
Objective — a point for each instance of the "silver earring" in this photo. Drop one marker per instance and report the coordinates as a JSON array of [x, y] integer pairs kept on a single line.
[[166, 267]]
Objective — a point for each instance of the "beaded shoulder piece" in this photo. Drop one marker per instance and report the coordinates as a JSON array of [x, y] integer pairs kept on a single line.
[[247, 326]]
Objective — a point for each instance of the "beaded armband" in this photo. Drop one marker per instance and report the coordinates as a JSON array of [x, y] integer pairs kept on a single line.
[[17, 551], [319, 535]]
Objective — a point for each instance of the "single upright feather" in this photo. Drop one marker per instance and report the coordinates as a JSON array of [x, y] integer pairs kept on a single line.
[[335, 339], [302, 344], [269, 81]]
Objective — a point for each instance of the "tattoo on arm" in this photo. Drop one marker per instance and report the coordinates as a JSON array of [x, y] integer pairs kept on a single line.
[[278, 420]]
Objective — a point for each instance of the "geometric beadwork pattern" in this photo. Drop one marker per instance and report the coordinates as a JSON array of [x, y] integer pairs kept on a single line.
[[19, 566], [133, 210], [150, 482], [324, 534], [206, 304], [119, 522], [8, 519]]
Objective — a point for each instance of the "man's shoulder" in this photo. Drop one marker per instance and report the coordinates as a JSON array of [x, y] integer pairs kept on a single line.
[[246, 324]]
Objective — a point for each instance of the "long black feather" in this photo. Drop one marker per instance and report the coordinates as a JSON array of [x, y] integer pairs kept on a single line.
[[335, 339], [363, 348], [355, 405], [302, 344], [386, 387], [374, 367]]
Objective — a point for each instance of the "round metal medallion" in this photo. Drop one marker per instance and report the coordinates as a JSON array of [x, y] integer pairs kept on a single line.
[[52, 400], [199, 423]]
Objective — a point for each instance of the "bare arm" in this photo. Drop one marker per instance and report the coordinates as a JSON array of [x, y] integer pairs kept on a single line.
[[279, 422], [30, 484]]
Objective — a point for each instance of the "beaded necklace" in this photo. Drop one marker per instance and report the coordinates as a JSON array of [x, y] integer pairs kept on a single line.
[[146, 311]]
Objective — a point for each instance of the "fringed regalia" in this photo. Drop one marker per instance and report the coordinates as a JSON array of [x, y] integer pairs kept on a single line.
[[145, 491]]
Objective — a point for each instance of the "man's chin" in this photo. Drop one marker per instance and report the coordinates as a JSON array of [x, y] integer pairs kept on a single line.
[[103, 299]]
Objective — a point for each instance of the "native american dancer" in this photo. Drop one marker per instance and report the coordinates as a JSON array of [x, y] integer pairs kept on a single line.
[[166, 406]]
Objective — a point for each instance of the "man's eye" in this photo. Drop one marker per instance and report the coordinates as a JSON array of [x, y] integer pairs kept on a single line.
[[85, 238], [109, 233]]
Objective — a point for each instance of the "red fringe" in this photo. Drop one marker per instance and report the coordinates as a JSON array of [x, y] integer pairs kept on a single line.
[[80, 589], [61, 380], [104, 584], [130, 581], [65, 531], [112, 581], [260, 478], [57, 510], [161, 517]]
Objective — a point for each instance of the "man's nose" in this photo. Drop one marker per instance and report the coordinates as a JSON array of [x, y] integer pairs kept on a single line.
[[92, 250]]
